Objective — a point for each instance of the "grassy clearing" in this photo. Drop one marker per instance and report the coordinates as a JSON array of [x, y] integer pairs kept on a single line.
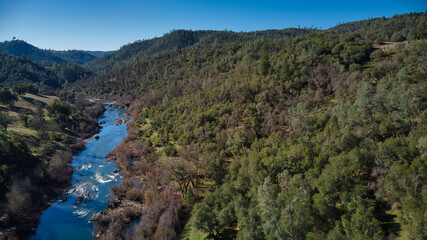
[[27, 102], [30, 101], [392, 46], [21, 130]]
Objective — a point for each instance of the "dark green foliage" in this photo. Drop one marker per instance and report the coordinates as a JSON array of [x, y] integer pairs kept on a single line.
[[23, 88], [286, 214], [38, 122], [7, 97], [15, 157], [397, 28], [75, 56], [80, 117], [67, 96], [20, 48], [34, 166], [97, 53], [189, 198], [179, 39], [320, 136], [417, 57], [58, 111], [17, 70], [68, 73], [4, 120], [23, 49]]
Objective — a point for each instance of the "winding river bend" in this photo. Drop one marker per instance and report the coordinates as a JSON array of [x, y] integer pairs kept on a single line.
[[93, 177]]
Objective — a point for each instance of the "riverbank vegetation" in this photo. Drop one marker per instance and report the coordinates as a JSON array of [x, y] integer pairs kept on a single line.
[[38, 135], [277, 134], [321, 136]]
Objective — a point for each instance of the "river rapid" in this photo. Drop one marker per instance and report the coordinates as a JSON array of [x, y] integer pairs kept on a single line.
[[67, 218]]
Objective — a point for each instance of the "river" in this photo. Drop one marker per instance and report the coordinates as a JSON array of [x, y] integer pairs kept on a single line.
[[93, 177]]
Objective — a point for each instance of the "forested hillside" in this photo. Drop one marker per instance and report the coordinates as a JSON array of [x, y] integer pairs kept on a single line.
[[75, 56], [321, 136], [38, 136], [98, 53], [20, 70], [15, 70], [178, 39], [20, 48]]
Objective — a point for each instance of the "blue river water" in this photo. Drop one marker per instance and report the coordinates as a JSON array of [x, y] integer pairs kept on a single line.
[[93, 177]]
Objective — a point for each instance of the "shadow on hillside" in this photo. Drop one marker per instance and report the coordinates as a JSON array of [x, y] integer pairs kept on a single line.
[[34, 101], [32, 140], [11, 108]]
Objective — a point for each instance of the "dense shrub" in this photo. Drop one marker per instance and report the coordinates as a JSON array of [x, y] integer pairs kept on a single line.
[[58, 168]]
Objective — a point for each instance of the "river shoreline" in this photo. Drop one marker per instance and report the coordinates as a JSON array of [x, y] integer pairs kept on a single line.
[[76, 200], [49, 193]]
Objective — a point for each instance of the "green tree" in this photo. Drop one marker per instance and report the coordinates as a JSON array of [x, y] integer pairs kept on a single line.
[[7, 97], [287, 214], [205, 217], [23, 88], [189, 197], [59, 111], [4, 120], [264, 66], [67, 96], [300, 122], [270, 211], [20, 89], [417, 56], [365, 108]]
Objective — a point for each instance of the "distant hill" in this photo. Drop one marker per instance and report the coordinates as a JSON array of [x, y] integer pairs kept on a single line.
[[97, 53], [21, 48], [75, 56], [179, 39]]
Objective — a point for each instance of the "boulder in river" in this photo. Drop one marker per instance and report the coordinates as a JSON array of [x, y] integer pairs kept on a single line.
[[96, 137], [79, 199], [84, 197], [110, 156]]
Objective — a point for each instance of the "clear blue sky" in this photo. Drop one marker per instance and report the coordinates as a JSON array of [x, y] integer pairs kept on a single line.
[[109, 24]]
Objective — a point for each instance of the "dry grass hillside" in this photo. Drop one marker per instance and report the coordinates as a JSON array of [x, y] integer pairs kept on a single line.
[[26, 104]]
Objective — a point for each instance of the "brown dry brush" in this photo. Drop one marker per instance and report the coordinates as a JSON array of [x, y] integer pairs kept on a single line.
[[161, 218], [144, 185], [89, 125]]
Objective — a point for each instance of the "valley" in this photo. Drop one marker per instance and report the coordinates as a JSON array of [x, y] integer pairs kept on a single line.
[[297, 133]]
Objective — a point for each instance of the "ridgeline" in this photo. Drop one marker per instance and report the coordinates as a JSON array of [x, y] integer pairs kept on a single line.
[[320, 135], [276, 134]]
